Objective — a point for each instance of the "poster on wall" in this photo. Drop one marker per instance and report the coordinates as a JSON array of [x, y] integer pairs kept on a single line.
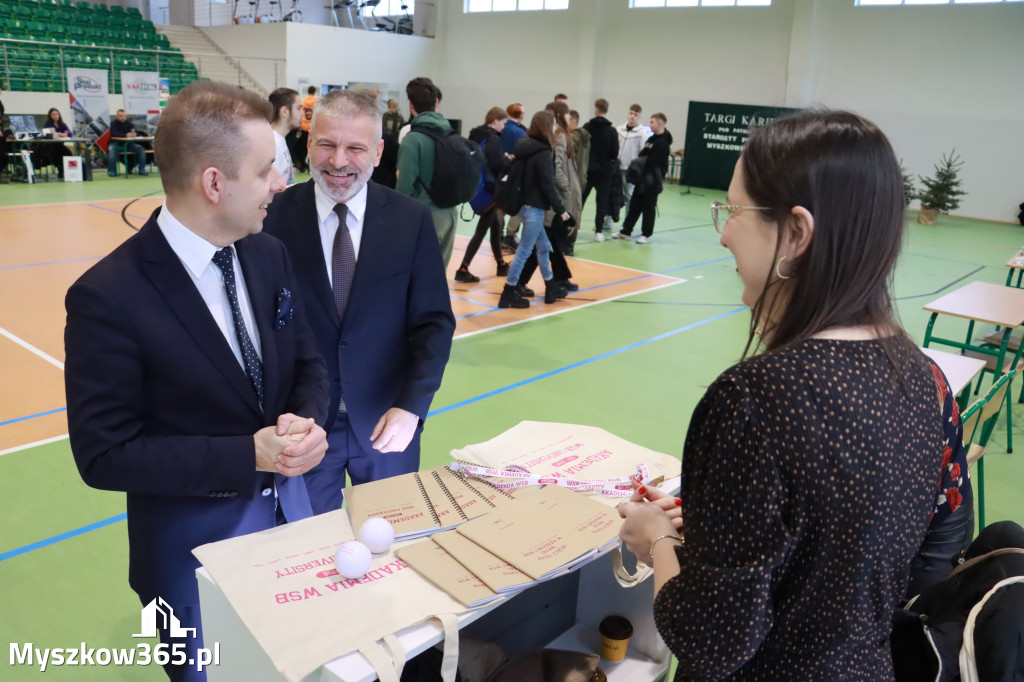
[[141, 90], [715, 134], [165, 92], [90, 104]]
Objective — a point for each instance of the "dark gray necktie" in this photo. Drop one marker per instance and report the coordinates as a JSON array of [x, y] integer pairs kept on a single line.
[[253, 367], [343, 261]]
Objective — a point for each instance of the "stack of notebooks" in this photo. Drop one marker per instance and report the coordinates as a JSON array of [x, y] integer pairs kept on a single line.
[[526, 541], [425, 502]]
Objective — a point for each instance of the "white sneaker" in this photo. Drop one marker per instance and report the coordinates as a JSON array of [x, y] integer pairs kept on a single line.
[[599, 236], [644, 240], [620, 235]]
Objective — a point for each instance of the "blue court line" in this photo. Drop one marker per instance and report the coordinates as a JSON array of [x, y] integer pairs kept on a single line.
[[602, 356], [118, 211], [52, 262], [33, 416], [63, 536], [468, 300], [941, 289], [694, 265], [121, 517], [482, 312], [599, 286], [681, 303], [621, 281]]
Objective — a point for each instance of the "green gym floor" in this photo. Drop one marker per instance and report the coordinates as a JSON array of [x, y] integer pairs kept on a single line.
[[635, 366]]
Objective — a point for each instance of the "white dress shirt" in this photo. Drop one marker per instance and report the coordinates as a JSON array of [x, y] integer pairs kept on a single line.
[[196, 254], [328, 220], [283, 158]]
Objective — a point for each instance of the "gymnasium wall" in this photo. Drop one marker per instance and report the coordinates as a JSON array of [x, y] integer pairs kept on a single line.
[[931, 77], [324, 54]]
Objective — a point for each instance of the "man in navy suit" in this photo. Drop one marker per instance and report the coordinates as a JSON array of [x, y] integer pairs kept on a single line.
[[375, 294], [193, 380]]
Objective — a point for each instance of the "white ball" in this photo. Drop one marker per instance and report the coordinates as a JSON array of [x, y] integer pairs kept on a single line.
[[352, 560], [377, 534]]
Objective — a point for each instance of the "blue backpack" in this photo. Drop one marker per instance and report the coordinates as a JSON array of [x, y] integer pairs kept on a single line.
[[483, 198]]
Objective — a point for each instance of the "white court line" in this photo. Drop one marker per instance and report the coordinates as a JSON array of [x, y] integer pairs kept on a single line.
[[566, 310], [19, 448], [620, 267], [32, 349]]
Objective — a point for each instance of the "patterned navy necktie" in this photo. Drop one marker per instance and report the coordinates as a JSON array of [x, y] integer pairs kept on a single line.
[[343, 261], [253, 366]]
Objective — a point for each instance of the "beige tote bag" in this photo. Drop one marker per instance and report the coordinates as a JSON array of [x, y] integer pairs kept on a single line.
[[283, 585]]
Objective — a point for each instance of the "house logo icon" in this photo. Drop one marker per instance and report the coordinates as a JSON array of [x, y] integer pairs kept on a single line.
[[159, 613]]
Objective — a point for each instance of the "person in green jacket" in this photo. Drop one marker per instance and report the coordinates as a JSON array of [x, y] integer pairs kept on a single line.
[[416, 159]]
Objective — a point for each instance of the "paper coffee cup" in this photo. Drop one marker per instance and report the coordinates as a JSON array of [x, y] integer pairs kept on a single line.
[[615, 633]]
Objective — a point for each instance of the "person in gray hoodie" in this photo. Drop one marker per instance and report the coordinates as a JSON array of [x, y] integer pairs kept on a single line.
[[633, 136]]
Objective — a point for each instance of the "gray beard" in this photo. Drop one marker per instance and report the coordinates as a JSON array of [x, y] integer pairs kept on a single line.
[[336, 197]]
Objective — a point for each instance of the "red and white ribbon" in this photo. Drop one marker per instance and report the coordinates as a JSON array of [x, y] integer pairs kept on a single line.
[[619, 486]]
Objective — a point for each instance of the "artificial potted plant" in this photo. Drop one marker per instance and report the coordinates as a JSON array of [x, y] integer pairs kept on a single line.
[[941, 193]]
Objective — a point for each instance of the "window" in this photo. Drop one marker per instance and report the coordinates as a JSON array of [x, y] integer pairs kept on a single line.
[[513, 5], [389, 8], [635, 4], [868, 3]]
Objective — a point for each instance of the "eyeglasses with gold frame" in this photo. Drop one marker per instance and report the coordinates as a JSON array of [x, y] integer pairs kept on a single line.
[[717, 206]]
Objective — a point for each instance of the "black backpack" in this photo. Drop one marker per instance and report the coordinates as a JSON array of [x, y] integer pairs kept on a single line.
[[971, 625], [508, 190], [457, 164]]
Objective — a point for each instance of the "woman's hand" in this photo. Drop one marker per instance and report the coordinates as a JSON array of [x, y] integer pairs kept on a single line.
[[649, 514], [672, 506], [644, 522], [565, 215]]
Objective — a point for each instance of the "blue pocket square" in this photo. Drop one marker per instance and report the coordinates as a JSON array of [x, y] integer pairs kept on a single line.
[[284, 309]]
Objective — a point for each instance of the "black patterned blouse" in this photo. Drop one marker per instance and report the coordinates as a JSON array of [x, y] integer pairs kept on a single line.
[[808, 482]]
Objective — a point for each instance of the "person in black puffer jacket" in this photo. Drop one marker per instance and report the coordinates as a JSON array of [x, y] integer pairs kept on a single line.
[[649, 185], [496, 163], [539, 194]]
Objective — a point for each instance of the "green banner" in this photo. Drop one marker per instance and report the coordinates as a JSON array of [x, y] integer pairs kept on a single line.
[[715, 134]]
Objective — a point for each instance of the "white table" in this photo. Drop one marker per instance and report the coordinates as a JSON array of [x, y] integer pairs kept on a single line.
[[960, 370], [563, 613]]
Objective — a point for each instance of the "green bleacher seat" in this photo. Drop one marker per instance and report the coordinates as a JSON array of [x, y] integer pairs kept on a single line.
[[101, 7], [116, 9]]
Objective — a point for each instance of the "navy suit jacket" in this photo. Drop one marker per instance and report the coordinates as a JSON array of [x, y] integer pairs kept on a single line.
[[392, 347], [159, 407]]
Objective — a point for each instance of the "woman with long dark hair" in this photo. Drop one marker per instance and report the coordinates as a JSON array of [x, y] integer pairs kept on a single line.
[[488, 136], [810, 468], [539, 194], [54, 153]]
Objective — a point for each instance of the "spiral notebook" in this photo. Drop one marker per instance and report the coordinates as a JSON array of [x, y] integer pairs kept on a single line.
[[422, 502]]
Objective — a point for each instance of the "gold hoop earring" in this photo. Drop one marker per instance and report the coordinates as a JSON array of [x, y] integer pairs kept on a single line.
[[778, 271]]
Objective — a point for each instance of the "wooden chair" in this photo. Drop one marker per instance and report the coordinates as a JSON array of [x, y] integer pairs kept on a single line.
[[979, 421], [1012, 364]]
